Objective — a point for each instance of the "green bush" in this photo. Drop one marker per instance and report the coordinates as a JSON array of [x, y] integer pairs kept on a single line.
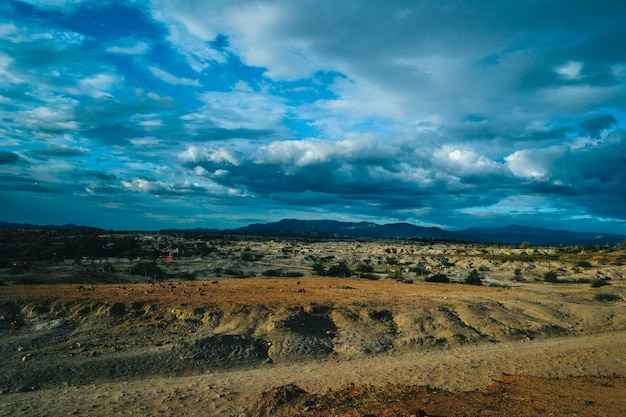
[[420, 271], [473, 278], [148, 269], [607, 297], [339, 270], [363, 267], [597, 283], [550, 276], [281, 273], [319, 268], [439, 277], [369, 276], [234, 272]]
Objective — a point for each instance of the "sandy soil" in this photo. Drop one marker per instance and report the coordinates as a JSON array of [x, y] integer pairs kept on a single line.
[[224, 349]]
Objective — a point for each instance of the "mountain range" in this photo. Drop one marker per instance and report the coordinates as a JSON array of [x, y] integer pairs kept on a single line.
[[513, 234]]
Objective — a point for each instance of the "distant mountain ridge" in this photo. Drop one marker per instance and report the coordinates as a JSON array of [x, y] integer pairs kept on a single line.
[[335, 228], [516, 234], [28, 226], [512, 234]]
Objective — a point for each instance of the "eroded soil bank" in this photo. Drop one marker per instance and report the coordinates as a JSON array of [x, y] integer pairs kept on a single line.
[[68, 337]]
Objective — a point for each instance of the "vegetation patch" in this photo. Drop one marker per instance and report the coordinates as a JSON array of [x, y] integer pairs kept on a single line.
[[607, 297]]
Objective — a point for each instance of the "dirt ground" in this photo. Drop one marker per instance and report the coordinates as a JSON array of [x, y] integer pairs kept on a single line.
[[312, 346]]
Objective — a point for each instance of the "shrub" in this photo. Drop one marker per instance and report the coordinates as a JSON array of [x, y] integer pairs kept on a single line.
[[584, 264], [473, 278], [247, 256], [369, 276], [148, 269], [282, 273], [420, 271], [234, 272], [550, 276], [597, 283], [363, 267], [607, 297], [439, 277]]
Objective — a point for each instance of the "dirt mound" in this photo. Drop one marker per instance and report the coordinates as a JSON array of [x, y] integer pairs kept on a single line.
[[285, 400], [296, 333]]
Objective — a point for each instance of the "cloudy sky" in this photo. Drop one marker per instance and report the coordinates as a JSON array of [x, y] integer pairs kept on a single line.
[[139, 114]]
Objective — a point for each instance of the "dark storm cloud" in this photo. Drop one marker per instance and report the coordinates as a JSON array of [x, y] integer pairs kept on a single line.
[[113, 135], [8, 158], [13, 183], [91, 173], [224, 134], [52, 152], [597, 124]]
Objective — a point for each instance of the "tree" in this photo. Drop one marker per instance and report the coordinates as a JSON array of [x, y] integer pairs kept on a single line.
[[319, 268], [396, 274], [473, 278], [339, 270], [363, 267], [148, 269]]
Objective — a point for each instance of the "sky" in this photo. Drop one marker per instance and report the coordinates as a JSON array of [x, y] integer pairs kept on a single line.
[[144, 115]]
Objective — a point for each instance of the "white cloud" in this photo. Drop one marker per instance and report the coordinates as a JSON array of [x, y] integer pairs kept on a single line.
[[314, 151], [147, 121], [524, 164], [58, 118], [8, 30], [99, 85], [172, 79], [465, 161], [191, 25], [237, 109], [200, 171], [254, 30], [199, 154], [298, 153], [540, 164], [147, 141], [570, 70], [138, 48], [145, 186], [403, 173], [8, 77]]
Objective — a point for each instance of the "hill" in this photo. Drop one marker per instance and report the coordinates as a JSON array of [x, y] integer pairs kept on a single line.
[[332, 228], [512, 234], [515, 234]]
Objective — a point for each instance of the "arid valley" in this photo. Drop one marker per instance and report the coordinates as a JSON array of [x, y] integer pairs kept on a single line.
[[259, 326]]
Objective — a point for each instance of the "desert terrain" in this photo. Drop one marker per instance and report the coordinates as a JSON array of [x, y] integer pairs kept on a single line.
[[216, 334]]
